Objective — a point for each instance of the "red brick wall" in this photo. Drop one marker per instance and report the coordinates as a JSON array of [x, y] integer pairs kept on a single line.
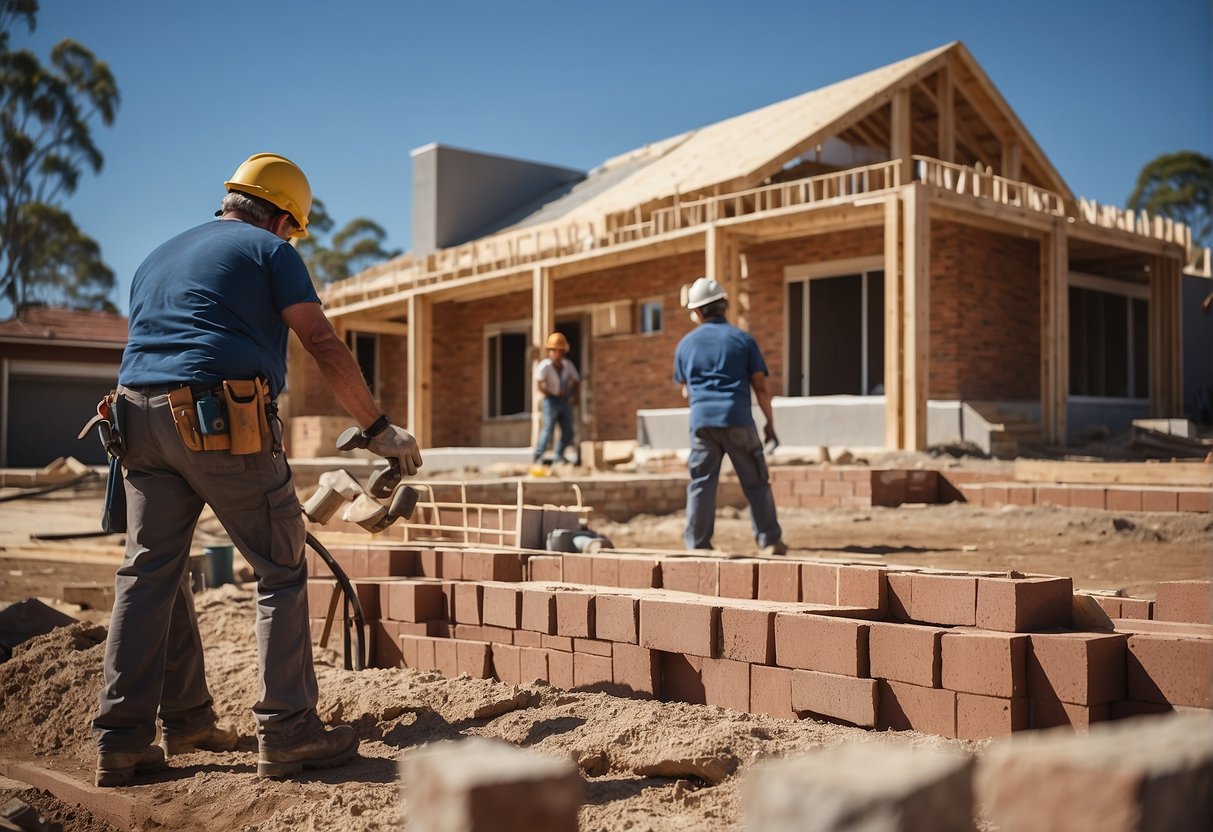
[[310, 394], [631, 372], [458, 371], [393, 391], [985, 314]]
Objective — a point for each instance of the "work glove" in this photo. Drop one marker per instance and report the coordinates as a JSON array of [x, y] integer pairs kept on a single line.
[[396, 443]]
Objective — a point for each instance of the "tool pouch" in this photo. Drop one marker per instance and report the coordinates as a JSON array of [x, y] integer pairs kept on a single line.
[[248, 425], [185, 417]]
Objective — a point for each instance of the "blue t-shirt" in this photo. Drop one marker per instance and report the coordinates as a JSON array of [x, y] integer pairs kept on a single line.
[[206, 306], [715, 361]]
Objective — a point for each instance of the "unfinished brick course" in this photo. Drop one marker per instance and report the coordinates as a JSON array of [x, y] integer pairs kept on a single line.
[[886, 660]]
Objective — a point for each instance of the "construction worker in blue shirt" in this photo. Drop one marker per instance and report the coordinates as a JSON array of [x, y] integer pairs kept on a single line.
[[211, 310], [717, 365]]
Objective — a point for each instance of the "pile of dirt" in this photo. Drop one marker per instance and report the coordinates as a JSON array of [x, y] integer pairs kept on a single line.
[[646, 765]]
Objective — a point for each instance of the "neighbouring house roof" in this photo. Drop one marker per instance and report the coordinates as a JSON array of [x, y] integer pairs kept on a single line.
[[43, 323]]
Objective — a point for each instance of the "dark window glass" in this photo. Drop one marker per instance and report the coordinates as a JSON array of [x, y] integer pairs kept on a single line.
[[1109, 344]]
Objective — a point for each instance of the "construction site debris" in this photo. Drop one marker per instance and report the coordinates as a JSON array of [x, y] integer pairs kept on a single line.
[[18, 816], [23, 620], [93, 596]]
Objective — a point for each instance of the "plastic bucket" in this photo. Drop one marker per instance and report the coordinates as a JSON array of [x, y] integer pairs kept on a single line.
[[217, 565]]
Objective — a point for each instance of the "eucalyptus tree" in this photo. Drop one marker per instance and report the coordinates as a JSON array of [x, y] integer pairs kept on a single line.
[[47, 112]]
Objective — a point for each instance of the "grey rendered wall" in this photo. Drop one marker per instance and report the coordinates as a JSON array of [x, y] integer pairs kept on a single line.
[[459, 195]]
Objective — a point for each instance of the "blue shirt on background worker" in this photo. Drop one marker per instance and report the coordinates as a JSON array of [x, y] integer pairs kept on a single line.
[[718, 365]]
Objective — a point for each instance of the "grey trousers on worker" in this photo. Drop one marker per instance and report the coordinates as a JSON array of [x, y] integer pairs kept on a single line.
[[153, 656], [708, 448]]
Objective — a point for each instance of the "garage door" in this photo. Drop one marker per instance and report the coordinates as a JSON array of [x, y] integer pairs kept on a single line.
[[44, 416]]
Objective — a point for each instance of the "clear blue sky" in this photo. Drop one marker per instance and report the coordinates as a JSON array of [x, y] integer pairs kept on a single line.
[[347, 89]]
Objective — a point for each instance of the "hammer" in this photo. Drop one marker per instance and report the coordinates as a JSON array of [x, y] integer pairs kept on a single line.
[[383, 481]]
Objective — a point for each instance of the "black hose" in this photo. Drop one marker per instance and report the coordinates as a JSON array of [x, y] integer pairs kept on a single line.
[[39, 490], [69, 535], [351, 603]]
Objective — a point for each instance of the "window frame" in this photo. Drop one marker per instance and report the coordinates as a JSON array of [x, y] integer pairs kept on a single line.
[[496, 330], [645, 303], [806, 273]]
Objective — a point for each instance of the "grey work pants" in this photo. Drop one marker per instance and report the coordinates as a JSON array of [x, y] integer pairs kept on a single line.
[[708, 448], [153, 656]]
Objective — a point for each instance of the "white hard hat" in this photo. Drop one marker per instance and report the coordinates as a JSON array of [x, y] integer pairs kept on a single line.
[[705, 290]]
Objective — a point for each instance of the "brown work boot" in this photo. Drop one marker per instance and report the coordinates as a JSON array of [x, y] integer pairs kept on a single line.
[[332, 748], [213, 737], [118, 768], [775, 549]]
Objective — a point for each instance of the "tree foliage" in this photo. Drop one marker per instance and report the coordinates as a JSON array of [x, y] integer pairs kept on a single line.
[[357, 246], [1180, 186], [46, 113]]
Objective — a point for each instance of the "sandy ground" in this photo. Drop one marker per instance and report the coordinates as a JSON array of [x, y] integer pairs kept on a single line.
[[48, 690]]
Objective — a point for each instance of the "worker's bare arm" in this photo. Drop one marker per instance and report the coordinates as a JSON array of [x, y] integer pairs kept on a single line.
[[337, 364], [759, 382]]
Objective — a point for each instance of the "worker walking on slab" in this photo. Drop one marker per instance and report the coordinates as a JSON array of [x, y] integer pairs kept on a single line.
[[556, 379], [205, 361], [717, 365]]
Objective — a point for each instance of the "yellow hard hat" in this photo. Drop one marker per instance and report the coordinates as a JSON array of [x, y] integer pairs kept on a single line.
[[557, 341], [277, 180]]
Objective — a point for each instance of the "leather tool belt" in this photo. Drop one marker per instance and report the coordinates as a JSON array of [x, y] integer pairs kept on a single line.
[[243, 429]]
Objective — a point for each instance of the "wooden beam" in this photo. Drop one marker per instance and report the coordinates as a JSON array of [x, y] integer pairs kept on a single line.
[[1166, 339], [1127, 240], [543, 322], [1113, 473], [1012, 160], [894, 298], [916, 317], [375, 326], [625, 254], [1054, 333], [869, 134], [900, 145], [421, 368], [985, 213], [800, 220], [947, 114], [722, 264]]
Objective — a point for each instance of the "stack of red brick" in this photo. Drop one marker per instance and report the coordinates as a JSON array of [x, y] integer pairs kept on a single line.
[[957, 654]]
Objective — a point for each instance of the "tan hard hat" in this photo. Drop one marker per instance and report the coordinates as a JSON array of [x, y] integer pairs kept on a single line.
[[557, 341]]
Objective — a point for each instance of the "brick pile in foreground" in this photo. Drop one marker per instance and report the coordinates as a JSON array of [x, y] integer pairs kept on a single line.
[[959, 654], [1140, 775]]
